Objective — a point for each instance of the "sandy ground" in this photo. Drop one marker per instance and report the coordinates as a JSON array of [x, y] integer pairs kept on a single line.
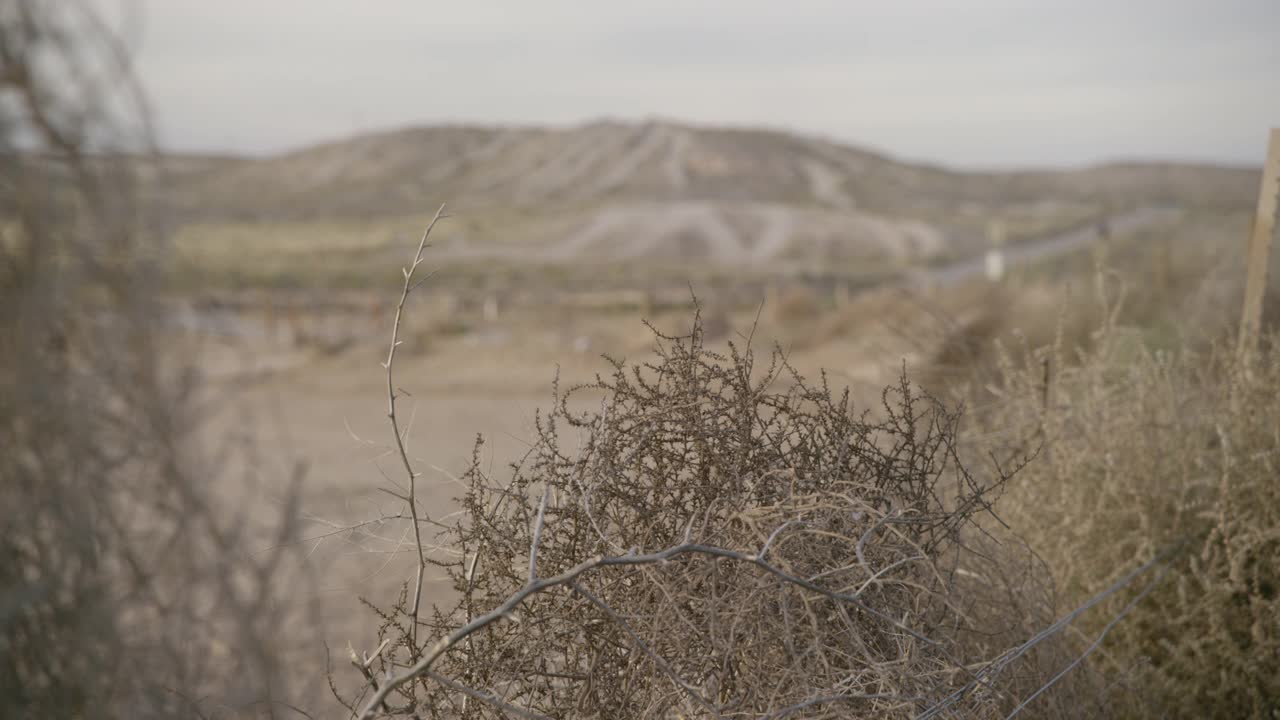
[[330, 410], [327, 410]]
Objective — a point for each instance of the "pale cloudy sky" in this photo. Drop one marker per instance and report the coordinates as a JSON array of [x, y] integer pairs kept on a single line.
[[966, 82]]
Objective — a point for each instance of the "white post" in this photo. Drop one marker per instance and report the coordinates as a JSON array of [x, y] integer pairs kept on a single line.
[[995, 250]]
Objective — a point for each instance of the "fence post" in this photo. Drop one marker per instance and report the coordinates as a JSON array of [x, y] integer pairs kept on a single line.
[[1259, 252], [996, 235]]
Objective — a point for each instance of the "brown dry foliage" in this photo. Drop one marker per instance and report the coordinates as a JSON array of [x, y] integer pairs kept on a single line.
[[1145, 449], [707, 448]]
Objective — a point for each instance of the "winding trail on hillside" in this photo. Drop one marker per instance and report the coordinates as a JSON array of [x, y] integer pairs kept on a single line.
[[703, 231]]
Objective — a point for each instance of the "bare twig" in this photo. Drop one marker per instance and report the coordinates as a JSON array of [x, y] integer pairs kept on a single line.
[[389, 365], [631, 559], [644, 647], [829, 699], [1000, 664], [537, 534], [485, 697], [774, 536], [1093, 645]]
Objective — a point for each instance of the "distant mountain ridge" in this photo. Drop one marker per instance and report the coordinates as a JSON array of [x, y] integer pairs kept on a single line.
[[394, 171], [648, 189]]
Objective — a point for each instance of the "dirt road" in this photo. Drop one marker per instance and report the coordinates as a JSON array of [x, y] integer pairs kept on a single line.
[[1043, 248]]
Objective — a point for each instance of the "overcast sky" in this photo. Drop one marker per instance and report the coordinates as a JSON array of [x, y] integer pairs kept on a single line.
[[967, 83]]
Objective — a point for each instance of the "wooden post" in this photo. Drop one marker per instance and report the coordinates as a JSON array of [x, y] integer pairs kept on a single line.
[[1259, 252]]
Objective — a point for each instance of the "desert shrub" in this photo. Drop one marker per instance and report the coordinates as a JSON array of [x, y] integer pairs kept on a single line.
[[721, 539], [1144, 450]]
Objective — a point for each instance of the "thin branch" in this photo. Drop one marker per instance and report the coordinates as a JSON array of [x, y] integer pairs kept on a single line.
[[774, 536], [484, 697], [571, 575], [857, 549], [409, 286], [537, 535], [1093, 645], [644, 647], [1007, 659], [827, 699]]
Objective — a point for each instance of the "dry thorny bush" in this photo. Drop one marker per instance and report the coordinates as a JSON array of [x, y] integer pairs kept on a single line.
[[720, 539]]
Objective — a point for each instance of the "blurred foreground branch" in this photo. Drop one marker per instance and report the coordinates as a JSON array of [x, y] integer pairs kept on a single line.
[[130, 585]]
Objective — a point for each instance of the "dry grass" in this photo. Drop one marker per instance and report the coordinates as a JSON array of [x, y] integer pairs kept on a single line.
[[1142, 450], [1173, 287], [1151, 436]]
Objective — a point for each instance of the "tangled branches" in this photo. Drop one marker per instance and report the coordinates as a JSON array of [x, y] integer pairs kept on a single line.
[[717, 539]]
